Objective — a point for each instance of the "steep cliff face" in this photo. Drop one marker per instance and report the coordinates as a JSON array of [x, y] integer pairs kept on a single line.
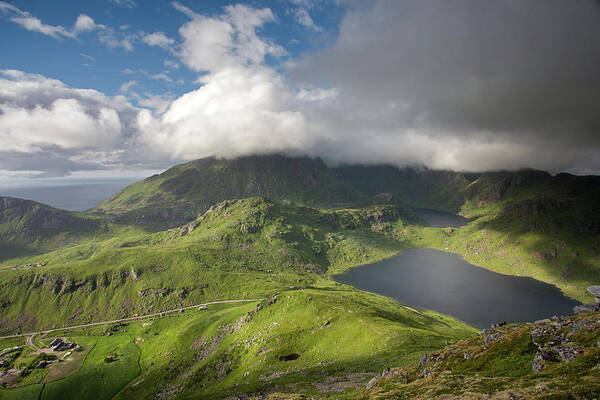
[[536, 201], [441, 190], [496, 186]]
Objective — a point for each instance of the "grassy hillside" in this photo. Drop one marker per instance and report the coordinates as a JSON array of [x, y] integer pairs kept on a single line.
[[237, 249], [529, 224], [27, 227], [303, 336], [525, 223], [311, 335], [303, 340]]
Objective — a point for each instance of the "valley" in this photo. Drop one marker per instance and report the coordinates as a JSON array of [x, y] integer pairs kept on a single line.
[[274, 228]]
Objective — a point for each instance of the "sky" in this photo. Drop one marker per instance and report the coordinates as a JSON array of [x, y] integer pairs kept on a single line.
[[110, 88]]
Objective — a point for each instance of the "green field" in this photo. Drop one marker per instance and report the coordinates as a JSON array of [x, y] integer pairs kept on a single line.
[[229, 348]]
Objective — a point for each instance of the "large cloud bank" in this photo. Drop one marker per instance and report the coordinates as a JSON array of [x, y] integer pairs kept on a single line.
[[242, 107], [464, 85], [468, 84], [50, 129]]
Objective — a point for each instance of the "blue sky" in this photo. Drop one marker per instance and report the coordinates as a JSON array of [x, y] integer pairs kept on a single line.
[[109, 88], [87, 62]]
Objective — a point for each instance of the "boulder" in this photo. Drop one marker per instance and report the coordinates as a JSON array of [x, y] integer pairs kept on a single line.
[[595, 291], [568, 353], [372, 382], [491, 338], [584, 308], [539, 361]]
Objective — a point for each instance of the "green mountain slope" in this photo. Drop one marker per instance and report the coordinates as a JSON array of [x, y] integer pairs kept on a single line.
[[302, 340], [185, 191], [236, 249], [529, 223], [27, 226]]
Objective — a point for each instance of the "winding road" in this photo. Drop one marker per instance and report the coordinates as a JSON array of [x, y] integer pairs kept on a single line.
[[158, 314]]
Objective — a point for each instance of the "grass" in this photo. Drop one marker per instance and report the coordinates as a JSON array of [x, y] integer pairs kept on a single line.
[[96, 378], [231, 348], [71, 364], [244, 249]]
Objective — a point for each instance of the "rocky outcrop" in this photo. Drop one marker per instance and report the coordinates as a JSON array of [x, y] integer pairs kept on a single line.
[[588, 308], [595, 291]]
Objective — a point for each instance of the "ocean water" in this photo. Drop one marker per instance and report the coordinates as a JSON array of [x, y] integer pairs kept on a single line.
[[74, 196]]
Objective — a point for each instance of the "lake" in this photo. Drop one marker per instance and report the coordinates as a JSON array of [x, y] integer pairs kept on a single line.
[[446, 283], [440, 219]]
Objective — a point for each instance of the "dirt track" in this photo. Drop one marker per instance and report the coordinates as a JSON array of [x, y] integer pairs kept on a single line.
[[158, 314]]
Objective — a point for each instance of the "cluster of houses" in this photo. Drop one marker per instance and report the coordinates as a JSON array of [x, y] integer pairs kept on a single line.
[[31, 265], [60, 345], [37, 264]]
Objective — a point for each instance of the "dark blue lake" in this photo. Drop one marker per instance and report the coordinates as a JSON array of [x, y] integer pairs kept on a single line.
[[440, 219], [446, 283]]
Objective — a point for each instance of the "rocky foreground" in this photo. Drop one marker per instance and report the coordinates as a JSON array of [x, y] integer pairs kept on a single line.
[[557, 358]]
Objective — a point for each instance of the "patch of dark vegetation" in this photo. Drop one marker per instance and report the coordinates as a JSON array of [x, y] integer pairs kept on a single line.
[[289, 357]]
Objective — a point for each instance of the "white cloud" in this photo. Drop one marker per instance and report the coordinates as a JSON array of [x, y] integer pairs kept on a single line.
[[124, 3], [157, 102], [226, 40], [171, 64], [183, 9], [242, 107], [158, 39], [237, 111], [84, 23], [114, 39], [64, 124], [36, 25], [386, 100], [124, 88], [395, 88], [5, 7], [26, 20], [161, 76], [302, 16]]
